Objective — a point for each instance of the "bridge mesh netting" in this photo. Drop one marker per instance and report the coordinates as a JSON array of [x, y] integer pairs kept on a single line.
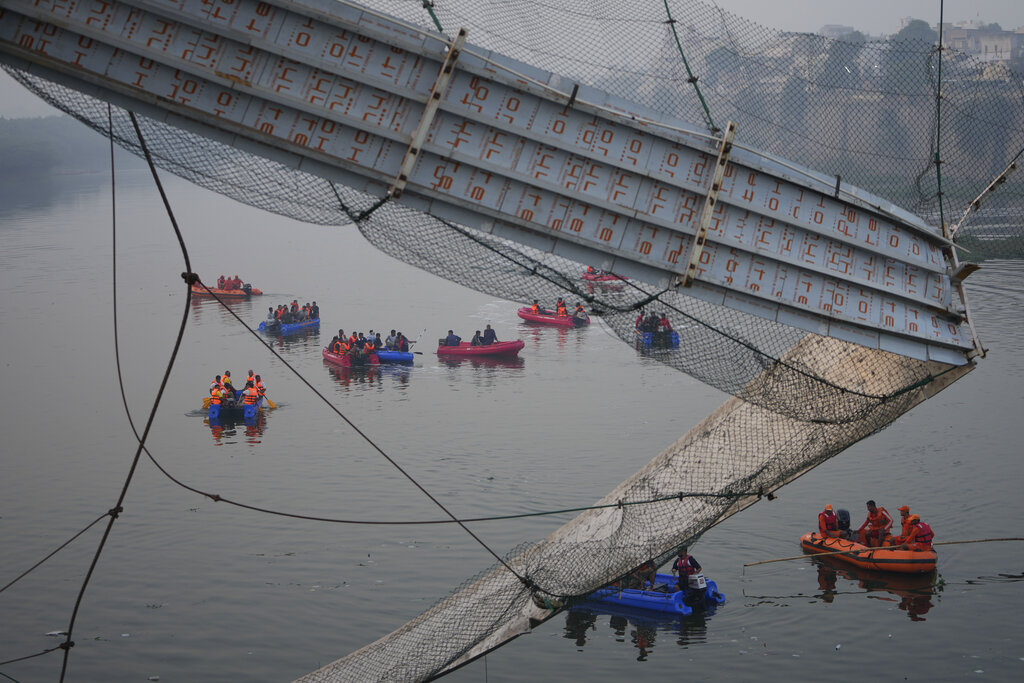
[[861, 109]]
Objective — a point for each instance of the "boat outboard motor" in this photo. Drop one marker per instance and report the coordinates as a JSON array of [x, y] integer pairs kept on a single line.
[[247, 288], [843, 517]]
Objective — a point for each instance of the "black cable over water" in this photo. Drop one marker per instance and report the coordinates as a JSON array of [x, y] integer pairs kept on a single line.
[[57, 550], [368, 440], [117, 509]]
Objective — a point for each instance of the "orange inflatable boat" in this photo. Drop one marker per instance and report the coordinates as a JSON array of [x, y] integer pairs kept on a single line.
[[882, 559], [243, 292]]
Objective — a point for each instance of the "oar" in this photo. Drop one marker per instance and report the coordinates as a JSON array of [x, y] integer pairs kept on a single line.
[[861, 550], [270, 404]]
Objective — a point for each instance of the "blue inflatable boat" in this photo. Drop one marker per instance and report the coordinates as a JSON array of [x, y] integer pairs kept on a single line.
[[657, 339], [662, 597], [288, 328], [387, 356], [236, 410]]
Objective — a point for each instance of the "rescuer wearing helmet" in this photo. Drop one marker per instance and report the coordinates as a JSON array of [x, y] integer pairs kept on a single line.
[[905, 525], [828, 523]]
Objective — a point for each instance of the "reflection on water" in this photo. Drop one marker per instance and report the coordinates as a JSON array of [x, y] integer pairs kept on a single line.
[[536, 334], [912, 593], [225, 430], [481, 362], [642, 628], [295, 342]]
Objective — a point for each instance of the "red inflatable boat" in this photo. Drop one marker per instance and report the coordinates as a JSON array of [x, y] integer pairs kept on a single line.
[[549, 318], [503, 349]]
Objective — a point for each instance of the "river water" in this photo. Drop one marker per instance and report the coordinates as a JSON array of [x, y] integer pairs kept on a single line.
[[189, 589]]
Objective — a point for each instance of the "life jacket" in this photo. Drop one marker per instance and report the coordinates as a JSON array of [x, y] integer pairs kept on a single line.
[[827, 521], [923, 539], [215, 395], [590, 269], [336, 347], [535, 308], [250, 396], [684, 566], [880, 519], [368, 345], [562, 310], [580, 312], [278, 312], [352, 339]]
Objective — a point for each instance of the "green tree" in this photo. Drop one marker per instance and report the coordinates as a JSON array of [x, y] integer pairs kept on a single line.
[[841, 67], [908, 62]]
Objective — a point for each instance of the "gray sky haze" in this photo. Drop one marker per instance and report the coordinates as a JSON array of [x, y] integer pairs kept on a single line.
[[873, 17]]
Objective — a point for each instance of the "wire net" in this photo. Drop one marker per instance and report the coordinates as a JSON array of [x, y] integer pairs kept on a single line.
[[863, 110]]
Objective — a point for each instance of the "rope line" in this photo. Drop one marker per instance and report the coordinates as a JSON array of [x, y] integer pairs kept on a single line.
[[68, 643], [57, 550], [365, 436], [62, 646], [692, 79]]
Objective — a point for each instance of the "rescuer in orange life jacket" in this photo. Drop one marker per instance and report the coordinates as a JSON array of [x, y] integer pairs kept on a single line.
[[879, 521], [535, 308], [920, 537], [560, 308], [905, 525], [250, 395], [828, 523]]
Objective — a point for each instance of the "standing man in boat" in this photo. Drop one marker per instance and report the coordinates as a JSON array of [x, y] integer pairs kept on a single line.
[[920, 536], [560, 308], [828, 523], [314, 312], [684, 566], [879, 521], [489, 335]]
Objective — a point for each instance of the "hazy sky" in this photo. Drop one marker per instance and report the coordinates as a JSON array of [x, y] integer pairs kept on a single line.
[[874, 17]]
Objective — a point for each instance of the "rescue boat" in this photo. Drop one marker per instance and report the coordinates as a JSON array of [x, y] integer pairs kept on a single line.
[[546, 317], [657, 339], [288, 328], [662, 597], [345, 360], [601, 276], [245, 292], [502, 348], [883, 559], [236, 409], [389, 356]]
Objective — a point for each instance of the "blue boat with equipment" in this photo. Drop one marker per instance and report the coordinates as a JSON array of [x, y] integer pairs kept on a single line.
[[663, 596]]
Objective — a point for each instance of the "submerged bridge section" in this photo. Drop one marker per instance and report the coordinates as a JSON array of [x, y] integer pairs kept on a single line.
[[425, 119]]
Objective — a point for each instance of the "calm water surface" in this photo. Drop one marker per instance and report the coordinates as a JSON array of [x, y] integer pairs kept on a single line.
[[192, 590]]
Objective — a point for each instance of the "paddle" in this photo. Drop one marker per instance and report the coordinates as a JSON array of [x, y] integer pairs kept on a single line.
[[270, 404]]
